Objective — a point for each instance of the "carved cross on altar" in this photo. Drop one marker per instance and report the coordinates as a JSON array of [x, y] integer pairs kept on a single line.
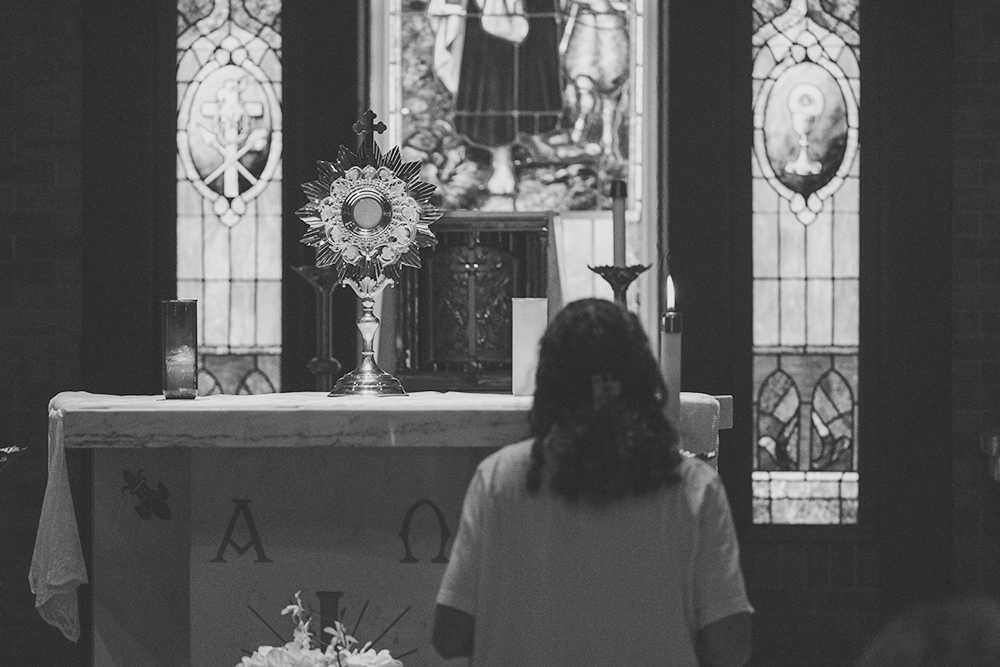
[[366, 128]]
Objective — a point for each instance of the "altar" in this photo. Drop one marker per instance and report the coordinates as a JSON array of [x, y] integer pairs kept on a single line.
[[210, 514]]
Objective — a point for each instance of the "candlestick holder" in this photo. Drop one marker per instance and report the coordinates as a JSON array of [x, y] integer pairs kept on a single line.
[[323, 366], [619, 277]]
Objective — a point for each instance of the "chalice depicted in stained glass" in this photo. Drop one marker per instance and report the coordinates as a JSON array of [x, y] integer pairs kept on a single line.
[[368, 216], [805, 103]]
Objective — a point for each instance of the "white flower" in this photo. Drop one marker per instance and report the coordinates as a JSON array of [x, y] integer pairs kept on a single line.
[[368, 657], [339, 638], [302, 636], [341, 650], [282, 656]]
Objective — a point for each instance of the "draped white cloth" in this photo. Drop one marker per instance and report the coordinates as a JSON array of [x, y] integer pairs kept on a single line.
[[57, 566], [291, 419]]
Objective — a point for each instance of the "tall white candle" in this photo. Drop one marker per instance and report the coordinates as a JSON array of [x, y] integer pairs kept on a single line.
[[618, 195], [529, 318], [670, 354]]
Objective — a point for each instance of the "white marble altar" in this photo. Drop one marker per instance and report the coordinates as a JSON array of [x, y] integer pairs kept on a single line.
[[210, 512]]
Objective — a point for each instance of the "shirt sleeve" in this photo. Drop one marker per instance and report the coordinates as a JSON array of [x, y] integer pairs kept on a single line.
[[719, 588], [459, 587]]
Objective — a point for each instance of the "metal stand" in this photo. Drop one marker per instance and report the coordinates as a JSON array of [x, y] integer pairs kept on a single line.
[[619, 277], [368, 379], [323, 366]]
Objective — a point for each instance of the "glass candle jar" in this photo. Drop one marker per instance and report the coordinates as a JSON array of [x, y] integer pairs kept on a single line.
[[180, 348]]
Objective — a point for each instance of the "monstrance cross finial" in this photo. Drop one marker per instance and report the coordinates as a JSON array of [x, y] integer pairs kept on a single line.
[[366, 127]]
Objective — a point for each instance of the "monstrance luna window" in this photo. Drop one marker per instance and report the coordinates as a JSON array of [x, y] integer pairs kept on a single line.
[[229, 188], [806, 169]]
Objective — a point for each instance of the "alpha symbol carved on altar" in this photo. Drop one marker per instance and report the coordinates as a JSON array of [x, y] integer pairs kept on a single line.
[[444, 533], [242, 509]]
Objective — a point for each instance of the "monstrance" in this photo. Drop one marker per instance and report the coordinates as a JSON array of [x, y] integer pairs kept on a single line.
[[368, 216]]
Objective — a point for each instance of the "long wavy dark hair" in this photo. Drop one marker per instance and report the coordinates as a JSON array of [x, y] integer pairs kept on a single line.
[[598, 421]]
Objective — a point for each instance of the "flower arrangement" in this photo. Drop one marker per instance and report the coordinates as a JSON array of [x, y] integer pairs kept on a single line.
[[342, 650]]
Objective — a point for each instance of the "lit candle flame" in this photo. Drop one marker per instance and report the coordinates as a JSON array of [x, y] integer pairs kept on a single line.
[[670, 293]]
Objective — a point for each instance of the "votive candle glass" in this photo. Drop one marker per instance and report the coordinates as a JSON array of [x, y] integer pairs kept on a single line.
[[179, 319]]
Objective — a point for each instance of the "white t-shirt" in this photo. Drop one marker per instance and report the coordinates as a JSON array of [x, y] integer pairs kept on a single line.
[[552, 583]]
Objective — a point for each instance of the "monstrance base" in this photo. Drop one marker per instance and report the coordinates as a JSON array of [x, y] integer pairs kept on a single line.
[[368, 380]]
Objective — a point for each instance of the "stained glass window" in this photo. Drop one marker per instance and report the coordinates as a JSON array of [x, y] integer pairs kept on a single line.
[[531, 106], [229, 188], [806, 169]]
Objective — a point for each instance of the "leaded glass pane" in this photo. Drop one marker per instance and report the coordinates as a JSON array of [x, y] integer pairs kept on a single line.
[[805, 497], [806, 200], [229, 188]]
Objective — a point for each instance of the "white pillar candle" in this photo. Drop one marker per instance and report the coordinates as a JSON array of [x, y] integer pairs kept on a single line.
[[618, 194], [529, 318], [670, 355]]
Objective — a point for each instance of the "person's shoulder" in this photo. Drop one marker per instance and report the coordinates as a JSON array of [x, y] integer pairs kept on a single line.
[[507, 462], [514, 455], [696, 472], [698, 480]]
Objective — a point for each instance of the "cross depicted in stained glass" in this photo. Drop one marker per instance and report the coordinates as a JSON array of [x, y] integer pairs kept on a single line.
[[229, 135]]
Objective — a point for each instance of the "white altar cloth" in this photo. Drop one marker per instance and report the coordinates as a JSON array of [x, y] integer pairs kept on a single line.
[[290, 420]]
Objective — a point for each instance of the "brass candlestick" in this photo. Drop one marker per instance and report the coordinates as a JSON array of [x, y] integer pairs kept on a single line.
[[323, 366]]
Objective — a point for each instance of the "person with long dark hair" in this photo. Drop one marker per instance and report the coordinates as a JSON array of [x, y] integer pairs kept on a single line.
[[595, 541]]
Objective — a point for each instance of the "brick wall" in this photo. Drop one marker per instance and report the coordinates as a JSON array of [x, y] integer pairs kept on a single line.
[[816, 603], [39, 289], [976, 291]]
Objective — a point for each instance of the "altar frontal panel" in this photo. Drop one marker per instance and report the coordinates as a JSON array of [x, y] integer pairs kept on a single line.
[[352, 529]]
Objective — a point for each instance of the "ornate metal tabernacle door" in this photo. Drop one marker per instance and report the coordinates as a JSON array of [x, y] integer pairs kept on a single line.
[[454, 314]]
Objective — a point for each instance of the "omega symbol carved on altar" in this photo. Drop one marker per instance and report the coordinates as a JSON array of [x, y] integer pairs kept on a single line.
[[444, 533]]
